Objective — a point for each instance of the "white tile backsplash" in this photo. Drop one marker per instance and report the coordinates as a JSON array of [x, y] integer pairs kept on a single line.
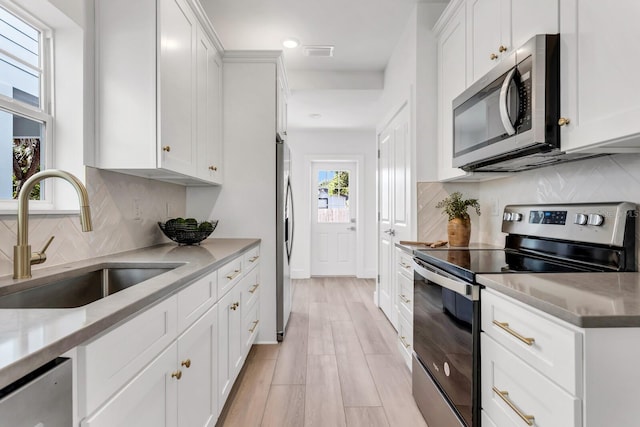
[[111, 196], [609, 178]]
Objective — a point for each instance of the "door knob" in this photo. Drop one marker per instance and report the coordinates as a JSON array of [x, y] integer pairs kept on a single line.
[[493, 57], [166, 148], [563, 121]]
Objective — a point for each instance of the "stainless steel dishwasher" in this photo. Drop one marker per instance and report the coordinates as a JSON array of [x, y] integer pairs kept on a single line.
[[42, 398]]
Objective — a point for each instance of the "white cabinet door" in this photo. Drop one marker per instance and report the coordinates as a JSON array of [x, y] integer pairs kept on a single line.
[[197, 361], [528, 18], [485, 35], [229, 343], [452, 64], [599, 81], [209, 109], [177, 76], [149, 400]]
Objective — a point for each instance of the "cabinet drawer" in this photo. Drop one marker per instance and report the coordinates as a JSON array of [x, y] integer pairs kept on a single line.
[[250, 326], [405, 296], [196, 299], [556, 350], [404, 263], [229, 275], [249, 288], [251, 258], [110, 361], [529, 393], [405, 339]]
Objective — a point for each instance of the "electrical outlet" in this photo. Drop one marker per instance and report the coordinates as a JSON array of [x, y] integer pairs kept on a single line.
[[495, 207]]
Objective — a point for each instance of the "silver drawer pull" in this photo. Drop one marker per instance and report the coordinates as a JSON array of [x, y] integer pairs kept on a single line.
[[233, 275], [404, 299], [405, 265], [503, 395], [253, 288], [505, 327], [254, 259]]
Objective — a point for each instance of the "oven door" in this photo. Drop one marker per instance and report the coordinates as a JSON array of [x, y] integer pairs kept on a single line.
[[446, 346]]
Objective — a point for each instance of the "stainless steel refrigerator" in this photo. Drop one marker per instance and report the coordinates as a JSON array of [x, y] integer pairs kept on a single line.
[[284, 235]]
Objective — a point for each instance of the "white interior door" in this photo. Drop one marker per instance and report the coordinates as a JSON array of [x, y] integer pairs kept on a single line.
[[333, 219], [394, 201]]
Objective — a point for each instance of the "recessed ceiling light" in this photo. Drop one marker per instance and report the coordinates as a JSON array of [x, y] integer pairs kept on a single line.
[[290, 43], [315, 115]]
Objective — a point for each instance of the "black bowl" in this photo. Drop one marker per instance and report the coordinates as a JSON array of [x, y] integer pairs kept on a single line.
[[187, 233]]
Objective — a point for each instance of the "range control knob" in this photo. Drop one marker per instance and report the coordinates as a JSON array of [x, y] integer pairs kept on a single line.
[[595, 219], [506, 216], [516, 217], [580, 219]]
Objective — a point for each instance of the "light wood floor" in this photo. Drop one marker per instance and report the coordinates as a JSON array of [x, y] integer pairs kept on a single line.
[[338, 366]]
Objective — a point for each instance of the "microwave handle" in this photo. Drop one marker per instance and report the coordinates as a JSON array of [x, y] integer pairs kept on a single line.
[[504, 114]]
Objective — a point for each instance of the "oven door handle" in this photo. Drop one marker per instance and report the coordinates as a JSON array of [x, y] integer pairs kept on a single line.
[[451, 284]]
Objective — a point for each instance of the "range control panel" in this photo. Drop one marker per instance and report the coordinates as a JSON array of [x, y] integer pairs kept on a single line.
[[602, 223]]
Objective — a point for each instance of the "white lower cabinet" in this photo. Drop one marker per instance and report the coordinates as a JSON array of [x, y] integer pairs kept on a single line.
[[513, 393], [230, 342], [197, 367], [148, 400], [404, 286], [536, 365], [175, 363]]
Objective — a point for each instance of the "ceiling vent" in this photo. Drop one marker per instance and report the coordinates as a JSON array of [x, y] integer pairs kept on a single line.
[[319, 51]]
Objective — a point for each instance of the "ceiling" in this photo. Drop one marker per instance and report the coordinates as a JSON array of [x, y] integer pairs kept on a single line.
[[364, 33]]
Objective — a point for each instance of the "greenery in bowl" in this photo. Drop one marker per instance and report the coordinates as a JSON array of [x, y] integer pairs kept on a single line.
[[455, 207]]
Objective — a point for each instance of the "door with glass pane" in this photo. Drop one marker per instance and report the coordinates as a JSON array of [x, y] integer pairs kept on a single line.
[[333, 219]]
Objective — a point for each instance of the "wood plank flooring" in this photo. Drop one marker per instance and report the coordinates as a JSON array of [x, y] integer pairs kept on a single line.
[[337, 367]]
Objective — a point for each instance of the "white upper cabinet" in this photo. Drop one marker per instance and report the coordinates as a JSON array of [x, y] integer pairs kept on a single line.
[[497, 27], [486, 41], [452, 60], [158, 97], [599, 82], [209, 110], [177, 75]]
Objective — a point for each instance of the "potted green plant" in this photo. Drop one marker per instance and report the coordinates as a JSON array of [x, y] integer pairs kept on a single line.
[[459, 226]]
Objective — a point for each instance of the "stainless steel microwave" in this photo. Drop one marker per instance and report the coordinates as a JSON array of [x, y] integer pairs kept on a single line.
[[508, 119]]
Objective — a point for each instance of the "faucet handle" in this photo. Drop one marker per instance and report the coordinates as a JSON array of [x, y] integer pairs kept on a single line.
[[40, 257]]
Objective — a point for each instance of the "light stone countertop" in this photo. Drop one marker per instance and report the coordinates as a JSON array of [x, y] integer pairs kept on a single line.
[[31, 337], [587, 300], [474, 245]]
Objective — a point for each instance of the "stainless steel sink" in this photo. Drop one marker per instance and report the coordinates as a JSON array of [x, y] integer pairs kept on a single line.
[[84, 287]]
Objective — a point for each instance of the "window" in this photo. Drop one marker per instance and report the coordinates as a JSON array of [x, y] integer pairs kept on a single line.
[[333, 196], [25, 119]]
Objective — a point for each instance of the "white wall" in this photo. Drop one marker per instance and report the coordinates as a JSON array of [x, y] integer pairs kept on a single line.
[[411, 76], [245, 204], [306, 145]]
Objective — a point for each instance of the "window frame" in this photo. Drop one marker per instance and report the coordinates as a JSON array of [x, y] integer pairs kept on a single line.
[[44, 114]]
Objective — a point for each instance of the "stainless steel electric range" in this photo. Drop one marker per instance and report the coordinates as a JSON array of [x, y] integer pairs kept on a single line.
[[598, 237]]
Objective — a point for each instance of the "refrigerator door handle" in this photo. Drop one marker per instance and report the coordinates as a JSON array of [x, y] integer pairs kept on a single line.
[[289, 241]]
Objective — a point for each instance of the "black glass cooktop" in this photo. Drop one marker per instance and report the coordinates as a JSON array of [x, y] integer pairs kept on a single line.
[[466, 263]]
